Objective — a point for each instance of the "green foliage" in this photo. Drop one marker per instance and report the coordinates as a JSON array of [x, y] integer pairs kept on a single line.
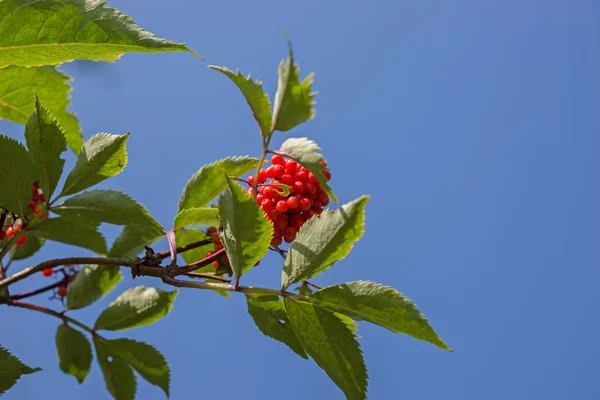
[[196, 216], [46, 142], [254, 95], [378, 304], [332, 344], [58, 31], [32, 246], [11, 369], [133, 238], [17, 174], [145, 359], [305, 152], [268, 313], [73, 232], [92, 283], [18, 87], [209, 181], [294, 101], [138, 306], [118, 375], [191, 235], [246, 232], [74, 352], [323, 241], [101, 157], [108, 206]]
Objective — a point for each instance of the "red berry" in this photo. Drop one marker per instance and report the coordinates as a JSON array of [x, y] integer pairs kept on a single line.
[[323, 163], [288, 239], [250, 179], [292, 202], [35, 185], [276, 241], [22, 240], [325, 202], [291, 166], [278, 170], [327, 174], [274, 215], [298, 187], [297, 220], [250, 192], [10, 232], [287, 179], [269, 172], [267, 205], [322, 196], [216, 240], [312, 179], [281, 223], [262, 175], [259, 198], [301, 176], [47, 272], [290, 232], [32, 204], [268, 191], [305, 204], [212, 230], [215, 264], [62, 291], [310, 188], [281, 206], [277, 160]]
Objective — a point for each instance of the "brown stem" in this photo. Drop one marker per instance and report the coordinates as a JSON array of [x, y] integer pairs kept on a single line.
[[187, 247], [47, 311]]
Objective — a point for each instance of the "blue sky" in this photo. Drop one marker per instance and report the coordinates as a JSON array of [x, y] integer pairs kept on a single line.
[[474, 126]]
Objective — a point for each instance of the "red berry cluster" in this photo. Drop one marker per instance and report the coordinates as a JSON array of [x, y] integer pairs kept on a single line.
[[37, 200], [214, 234], [289, 213], [62, 289]]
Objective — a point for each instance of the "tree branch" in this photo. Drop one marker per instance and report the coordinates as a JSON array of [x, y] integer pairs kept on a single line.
[[47, 311], [63, 282]]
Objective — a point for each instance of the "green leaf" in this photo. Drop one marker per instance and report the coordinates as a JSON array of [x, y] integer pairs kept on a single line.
[[246, 232], [294, 101], [146, 360], [118, 375], [209, 181], [101, 157], [32, 246], [106, 206], [378, 304], [332, 344], [17, 174], [74, 352], [71, 232], [11, 369], [46, 142], [196, 216], [138, 306], [254, 95], [305, 152], [191, 235], [132, 240], [324, 240], [269, 315], [92, 283], [45, 32], [18, 85]]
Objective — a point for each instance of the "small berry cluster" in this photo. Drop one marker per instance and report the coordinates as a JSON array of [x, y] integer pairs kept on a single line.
[[62, 290], [37, 200], [305, 200], [214, 234]]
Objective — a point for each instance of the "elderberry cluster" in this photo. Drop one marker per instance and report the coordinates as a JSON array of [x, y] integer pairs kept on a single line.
[[36, 205], [305, 200]]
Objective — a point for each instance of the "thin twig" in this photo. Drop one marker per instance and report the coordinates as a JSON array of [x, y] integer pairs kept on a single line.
[[207, 276], [47, 311], [63, 282]]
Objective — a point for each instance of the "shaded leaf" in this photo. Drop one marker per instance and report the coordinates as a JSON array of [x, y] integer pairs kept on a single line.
[[108, 206], [101, 157], [146, 360], [71, 232], [332, 344], [118, 375], [324, 240], [305, 152], [246, 232], [17, 174], [92, 283], [46, 142], [269, 315], [254, 95], [138, 306], [294, 101], [11, 369], [32, 246], [74, 352], [378, 304], [191, 235], [196, 216], [44, 32], [209, 181], [133, 238], [17, 88]]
